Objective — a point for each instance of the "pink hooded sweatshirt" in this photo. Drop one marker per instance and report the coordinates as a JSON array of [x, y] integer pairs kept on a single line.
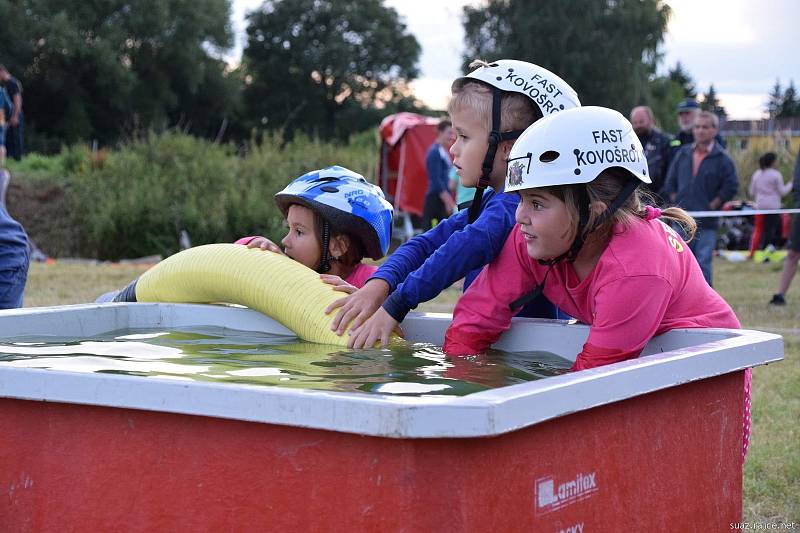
[[645, 283]]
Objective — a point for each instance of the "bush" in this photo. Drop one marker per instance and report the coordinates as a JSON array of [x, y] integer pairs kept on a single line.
[[134, 201], [41, 169]]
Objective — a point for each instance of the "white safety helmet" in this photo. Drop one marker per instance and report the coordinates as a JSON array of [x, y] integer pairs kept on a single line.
[[575, 147], [548, 92]]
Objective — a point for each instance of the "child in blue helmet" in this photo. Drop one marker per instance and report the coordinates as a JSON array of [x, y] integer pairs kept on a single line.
[[490, 107], [335, 219]]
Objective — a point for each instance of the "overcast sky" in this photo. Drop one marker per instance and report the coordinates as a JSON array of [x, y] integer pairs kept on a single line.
[[741, 46]]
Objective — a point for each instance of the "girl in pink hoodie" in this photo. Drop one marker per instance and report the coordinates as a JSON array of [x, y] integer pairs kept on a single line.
[[587, 241]]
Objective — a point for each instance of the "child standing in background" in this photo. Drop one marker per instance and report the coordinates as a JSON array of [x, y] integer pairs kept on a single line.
[[767, 189]]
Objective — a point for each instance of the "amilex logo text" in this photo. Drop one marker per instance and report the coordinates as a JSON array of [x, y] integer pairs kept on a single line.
[[551, 496]]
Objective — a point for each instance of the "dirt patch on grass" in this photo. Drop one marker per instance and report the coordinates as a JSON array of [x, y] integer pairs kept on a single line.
[[47, 216]]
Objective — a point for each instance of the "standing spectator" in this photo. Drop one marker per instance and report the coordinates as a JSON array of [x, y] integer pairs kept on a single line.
[[5, 113], [767, 188], [439, 202], [702, 177], [793, 255], [14, 256], [14, 146], [656, 145], [687, 114]]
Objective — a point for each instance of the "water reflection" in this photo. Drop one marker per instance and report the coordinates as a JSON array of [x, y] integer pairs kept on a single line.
[[222, 355]]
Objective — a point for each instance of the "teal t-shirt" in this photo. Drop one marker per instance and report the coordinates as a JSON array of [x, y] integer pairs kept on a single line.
[[463, 194]]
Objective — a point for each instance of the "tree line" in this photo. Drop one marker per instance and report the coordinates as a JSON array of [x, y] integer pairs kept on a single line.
[[783, 103], [105, 70]]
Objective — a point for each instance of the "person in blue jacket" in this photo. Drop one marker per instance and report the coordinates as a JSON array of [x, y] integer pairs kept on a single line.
[[489, 109], [702, 177], [14, 256], [439, 203]]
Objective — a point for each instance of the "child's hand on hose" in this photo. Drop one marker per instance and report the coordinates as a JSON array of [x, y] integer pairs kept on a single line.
[[264, 244], [358, 306], [338, 283], [377, 328]]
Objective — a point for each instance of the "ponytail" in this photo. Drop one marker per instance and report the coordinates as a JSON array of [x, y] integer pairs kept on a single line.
[[683, 219]]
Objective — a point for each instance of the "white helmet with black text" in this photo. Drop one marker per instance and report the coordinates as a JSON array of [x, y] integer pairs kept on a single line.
[[575, 147], [549, 93]]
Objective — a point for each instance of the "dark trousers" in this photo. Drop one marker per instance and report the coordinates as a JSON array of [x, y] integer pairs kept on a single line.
[[433, 210], [772, 228], [14, 146]]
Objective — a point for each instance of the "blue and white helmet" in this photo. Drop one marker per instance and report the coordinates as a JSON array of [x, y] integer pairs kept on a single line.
[[348, 202]]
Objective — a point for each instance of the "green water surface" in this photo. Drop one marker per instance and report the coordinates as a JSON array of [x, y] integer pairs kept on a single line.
[[220, 355]]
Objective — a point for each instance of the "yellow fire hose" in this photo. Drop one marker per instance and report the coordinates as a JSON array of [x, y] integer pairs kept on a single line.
[[271, 283]]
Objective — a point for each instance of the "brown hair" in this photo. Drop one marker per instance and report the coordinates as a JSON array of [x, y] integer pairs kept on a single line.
[[605, 188], [517, 111], [355, 250]]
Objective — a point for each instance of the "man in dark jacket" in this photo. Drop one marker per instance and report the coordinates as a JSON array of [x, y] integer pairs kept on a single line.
[[702, 177], [656, 145], [687, 114], [439, 202], [14, 132]]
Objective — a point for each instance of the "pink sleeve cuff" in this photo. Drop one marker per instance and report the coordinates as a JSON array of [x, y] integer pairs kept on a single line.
[[245, 240], [460, 342]]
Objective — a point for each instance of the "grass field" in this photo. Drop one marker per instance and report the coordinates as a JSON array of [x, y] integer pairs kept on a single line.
[[772, 471]]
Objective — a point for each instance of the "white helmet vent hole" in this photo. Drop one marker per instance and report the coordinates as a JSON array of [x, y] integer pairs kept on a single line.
[[328, 188], [549, 156]]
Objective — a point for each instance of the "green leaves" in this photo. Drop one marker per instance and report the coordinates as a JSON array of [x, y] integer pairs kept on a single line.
[[309, 62], [102, 69], [607, 50]]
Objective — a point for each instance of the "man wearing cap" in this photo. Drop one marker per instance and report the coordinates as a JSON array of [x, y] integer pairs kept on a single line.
[[687, 114], [702, 177], [656, 145]]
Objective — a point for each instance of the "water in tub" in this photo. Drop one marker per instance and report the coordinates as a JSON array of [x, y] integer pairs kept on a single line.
[[207, 353]]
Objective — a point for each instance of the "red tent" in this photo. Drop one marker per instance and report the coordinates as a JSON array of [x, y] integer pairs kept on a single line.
[[405, 140]]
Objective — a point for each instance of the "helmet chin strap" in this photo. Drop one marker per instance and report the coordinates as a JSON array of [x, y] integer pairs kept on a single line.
[[580, 236], [325, 261], [495, 138]]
